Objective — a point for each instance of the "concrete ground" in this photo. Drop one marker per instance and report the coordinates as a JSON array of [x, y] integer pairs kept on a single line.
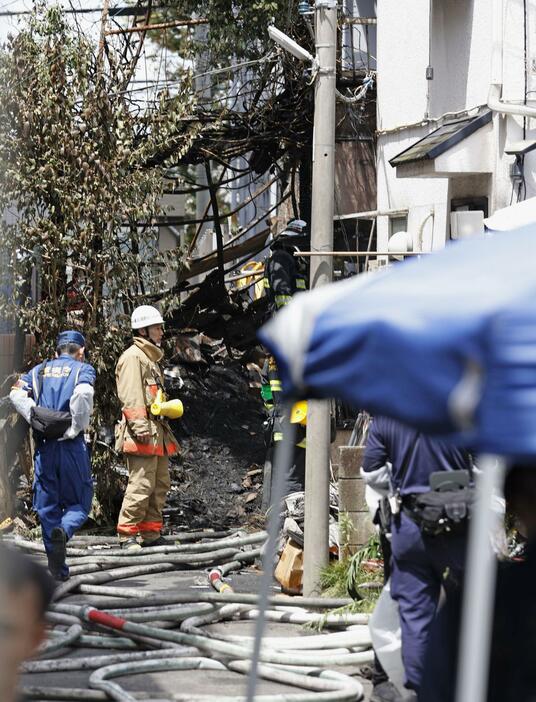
[[214, 684]]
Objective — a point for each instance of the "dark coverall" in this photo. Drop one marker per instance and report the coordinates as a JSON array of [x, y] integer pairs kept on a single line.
[[284, 276], [63, 487], [512, 673], [419, 562]]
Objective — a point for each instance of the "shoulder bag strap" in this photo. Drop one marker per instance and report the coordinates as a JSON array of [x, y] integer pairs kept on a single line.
[[40, 374], [471, 465]]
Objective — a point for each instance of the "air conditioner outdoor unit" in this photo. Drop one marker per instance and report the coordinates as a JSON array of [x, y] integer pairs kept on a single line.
[[466, 224]]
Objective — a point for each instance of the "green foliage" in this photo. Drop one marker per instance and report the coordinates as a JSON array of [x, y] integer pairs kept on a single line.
[[344, 577], [252, 97], [237, 29], [346, 529], [75, 176], [334, 577], [334, 582], [370, 551]]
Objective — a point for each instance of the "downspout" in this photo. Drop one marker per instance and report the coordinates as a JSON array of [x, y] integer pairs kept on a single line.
[[429, 68], [420, 237], [495, 102]]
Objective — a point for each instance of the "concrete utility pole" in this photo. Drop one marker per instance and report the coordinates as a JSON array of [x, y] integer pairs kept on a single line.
[[316, 549], [202, 197]]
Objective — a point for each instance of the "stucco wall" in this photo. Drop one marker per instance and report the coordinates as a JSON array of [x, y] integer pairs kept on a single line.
[[419, 195], [402, 33], [460, 52]]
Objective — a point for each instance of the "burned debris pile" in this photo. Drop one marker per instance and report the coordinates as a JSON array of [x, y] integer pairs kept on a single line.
[[217, 479]]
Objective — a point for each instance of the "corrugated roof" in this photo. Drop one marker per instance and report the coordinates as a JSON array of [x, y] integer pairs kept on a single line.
[[442, 139]]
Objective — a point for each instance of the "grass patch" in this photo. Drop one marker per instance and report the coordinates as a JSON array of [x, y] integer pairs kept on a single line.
[[343, 578]]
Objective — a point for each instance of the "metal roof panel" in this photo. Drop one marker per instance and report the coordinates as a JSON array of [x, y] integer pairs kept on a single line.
[[442, 139]]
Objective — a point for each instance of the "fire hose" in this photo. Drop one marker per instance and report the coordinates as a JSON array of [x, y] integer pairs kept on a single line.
[[153, 632]]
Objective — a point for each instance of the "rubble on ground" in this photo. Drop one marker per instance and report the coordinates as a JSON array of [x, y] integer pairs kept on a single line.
[[217, 480]]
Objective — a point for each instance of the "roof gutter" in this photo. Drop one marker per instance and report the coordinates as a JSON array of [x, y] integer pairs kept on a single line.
[[495, 89], [507, 108]]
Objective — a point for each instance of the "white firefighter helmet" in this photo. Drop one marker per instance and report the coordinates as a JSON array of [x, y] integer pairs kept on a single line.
[[294, 233], [145, 316], [295, 226]]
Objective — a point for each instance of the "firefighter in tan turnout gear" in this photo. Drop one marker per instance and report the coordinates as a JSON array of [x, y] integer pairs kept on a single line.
[[145, 438]]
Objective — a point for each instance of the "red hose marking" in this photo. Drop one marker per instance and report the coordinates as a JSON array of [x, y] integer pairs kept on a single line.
[[214, 576], [95, 615]]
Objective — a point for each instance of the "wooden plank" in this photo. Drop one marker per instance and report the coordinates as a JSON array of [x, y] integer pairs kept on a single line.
[[207, 263]]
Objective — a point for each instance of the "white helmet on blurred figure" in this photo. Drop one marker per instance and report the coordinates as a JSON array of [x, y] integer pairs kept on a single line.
[[145, 316], [295, 227], [293, 235]]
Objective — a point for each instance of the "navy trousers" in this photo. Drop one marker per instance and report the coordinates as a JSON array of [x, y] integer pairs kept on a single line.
[[421, 566], [63, 489]]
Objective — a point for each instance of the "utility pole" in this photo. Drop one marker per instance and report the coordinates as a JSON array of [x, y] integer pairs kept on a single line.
[[316, 528], [202, 197]]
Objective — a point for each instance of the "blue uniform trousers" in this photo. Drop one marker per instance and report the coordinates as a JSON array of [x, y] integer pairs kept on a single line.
[[421, 565], [63, 489]]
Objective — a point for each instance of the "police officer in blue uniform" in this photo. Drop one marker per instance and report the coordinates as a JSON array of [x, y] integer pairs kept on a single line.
[[56, 398], [421, 564]]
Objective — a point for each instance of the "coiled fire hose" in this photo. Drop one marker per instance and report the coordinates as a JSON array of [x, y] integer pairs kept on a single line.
[[147, 631]]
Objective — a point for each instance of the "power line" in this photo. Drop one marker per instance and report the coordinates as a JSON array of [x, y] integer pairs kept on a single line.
[[114, 12]]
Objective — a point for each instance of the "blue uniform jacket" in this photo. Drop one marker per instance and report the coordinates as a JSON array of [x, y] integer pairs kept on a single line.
[[55, 387], [390, 441]]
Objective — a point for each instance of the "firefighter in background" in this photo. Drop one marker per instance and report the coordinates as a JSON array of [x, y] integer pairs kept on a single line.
[[284, 275], [295, 480], [145, 438], [296, 476]]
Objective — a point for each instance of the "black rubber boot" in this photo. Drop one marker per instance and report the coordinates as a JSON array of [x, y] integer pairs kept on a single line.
[[56, 558], [157, 542]]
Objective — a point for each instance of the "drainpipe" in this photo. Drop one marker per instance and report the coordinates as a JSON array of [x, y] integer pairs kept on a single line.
[[495, 102], [420, 237]]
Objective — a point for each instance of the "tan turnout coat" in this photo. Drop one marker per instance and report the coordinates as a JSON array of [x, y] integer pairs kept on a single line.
[[138, 377]]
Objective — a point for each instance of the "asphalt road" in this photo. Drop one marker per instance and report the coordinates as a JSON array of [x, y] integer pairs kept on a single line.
[[213, 684]]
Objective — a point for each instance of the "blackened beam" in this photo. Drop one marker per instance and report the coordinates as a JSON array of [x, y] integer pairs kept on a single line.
[[161, 25]]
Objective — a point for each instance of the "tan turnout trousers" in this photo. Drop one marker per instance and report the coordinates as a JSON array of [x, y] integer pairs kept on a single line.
[[145, 496], [138, 378]]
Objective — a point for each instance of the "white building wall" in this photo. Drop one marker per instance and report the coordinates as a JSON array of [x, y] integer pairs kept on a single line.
[[402, 33], [460, 52], [418, 195]]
